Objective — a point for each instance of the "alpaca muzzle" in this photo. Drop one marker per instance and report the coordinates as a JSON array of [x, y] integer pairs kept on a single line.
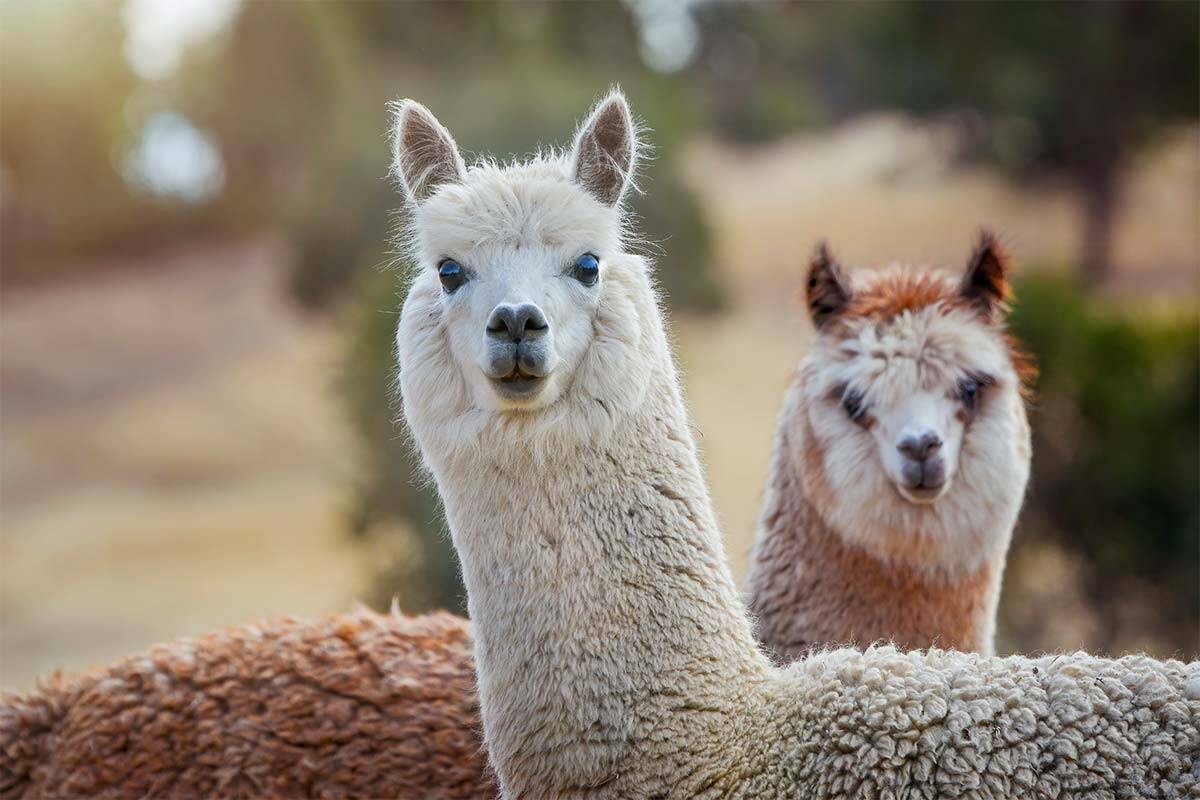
[[519, 348], [923, 469]]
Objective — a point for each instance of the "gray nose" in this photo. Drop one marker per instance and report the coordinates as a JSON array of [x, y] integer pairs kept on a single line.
[[513, 323], [920, 447]]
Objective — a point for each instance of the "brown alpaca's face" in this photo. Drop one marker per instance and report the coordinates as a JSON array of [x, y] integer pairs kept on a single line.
[[908, 387], [913, 416]]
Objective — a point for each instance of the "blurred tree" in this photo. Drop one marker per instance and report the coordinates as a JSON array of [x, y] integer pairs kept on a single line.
[[61, 131], [1061, 88], [1096, 79]]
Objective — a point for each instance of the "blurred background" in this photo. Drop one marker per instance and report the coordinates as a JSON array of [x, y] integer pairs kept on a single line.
[[196, 304]]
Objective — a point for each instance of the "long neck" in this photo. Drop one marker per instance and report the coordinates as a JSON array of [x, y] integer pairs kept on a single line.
[[809, 586], [601, 601]]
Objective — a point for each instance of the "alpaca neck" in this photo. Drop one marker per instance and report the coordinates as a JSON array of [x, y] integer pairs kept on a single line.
[[809, 586], [601, 602]]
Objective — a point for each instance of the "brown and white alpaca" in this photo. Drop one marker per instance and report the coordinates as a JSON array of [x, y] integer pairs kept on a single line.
[[899, 465]]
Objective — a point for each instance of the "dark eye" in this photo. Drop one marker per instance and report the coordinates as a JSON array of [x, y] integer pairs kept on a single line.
[[853, 402], [451, 274], [968, 393], [587, 269], [971, 387]]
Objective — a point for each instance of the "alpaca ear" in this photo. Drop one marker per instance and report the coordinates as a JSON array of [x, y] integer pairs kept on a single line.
[[606, 150], [424, 155], [828, 292], [985, 283]]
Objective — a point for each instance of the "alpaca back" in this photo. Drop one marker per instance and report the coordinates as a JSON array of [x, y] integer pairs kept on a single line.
[[359, 704], [882, 723]]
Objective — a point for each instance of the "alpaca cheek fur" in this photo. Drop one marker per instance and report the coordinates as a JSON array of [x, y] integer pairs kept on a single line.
[[420, 338], [610, 375]]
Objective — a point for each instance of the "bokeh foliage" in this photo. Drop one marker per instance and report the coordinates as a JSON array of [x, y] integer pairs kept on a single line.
[[1116, 467], [294, 94]]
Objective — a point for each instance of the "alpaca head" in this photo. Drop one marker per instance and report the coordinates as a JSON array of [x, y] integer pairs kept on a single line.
[[525, 308], [916, 441]]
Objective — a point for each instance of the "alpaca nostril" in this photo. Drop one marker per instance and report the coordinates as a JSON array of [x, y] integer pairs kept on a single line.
[[920, 447], [512, 323]]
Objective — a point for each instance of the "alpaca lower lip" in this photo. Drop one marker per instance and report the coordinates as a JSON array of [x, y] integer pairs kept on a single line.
[[518, 384], [921, 494]]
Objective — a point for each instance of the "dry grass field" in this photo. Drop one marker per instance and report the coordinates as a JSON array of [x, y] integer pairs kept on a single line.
[[175, 456], [174, 459]]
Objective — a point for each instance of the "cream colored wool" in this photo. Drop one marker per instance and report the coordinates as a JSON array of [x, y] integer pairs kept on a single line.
[[613, 657]]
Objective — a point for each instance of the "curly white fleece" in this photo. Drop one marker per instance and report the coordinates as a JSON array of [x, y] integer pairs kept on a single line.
[[882, 723]]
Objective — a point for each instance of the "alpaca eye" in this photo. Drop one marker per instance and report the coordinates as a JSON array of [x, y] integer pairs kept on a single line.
[[451, 274], [970, 390], [852, 402], [587, 269], [968, 393], [971, 387]]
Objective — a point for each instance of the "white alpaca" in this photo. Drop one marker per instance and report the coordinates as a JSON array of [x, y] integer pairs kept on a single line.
[[899, 464], [612, 654]]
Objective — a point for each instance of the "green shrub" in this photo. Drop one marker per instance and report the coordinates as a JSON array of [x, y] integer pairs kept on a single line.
[[677, 238], [393, 499], [1116, 467]]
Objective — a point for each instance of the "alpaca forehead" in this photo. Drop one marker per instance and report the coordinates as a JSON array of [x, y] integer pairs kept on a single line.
[[919, 350], [515, 206]]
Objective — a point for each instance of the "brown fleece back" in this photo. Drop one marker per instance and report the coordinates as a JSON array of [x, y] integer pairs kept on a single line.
[[352, 705]]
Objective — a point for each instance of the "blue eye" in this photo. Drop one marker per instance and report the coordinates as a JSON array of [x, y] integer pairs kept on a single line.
[[587, 269], [451, 274]]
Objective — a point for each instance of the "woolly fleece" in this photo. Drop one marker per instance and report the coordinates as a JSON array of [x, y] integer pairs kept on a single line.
[[353, 705]]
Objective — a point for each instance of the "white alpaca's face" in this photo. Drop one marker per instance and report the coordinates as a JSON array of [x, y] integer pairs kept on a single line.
[[520, 302], [912, 410], [525, 316]]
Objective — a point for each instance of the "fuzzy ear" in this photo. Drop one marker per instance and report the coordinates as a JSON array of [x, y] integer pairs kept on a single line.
[[424, 155], [985, 282], [606, 150], [828, 292]]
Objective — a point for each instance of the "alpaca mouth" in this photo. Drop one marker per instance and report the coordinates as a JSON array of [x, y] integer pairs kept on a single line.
[[518, 384], [517, 375], [920, 494], [922, 481]]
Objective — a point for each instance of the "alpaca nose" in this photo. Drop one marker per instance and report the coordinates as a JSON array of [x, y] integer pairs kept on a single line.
[[511, 322], [920, 446]]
